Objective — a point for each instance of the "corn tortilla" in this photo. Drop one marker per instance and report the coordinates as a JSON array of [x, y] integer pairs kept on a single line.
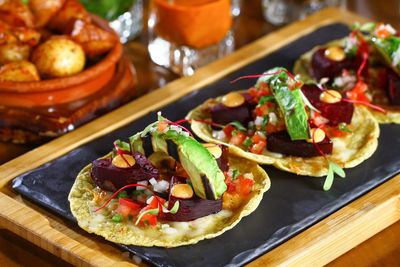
[[303, 68], [82, 207], [348, 151]]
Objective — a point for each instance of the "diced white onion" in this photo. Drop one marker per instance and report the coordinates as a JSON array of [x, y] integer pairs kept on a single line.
[[258, 121], [185, 133], [170, 231], [220, 135], [176, 128], [273, 119], [161, 186], [153, 181], [148, 201]]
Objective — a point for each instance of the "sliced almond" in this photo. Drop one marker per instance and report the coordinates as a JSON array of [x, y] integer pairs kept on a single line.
[[335, 53], [233, 99], [183, 191], [125, 162], [214, 149], [330, 96], [317, 135]]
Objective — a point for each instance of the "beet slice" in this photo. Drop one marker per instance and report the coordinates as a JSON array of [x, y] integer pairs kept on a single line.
[[393, 88], [190, 209], [335, 113], [280, 142], [321, 66], [223, 162], [223, 115], [108, 177]]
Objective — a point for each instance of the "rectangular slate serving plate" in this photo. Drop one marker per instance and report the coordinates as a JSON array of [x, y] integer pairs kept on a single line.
[[293, 203]]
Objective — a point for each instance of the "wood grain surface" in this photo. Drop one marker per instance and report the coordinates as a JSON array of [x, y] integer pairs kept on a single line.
[[380, 250]]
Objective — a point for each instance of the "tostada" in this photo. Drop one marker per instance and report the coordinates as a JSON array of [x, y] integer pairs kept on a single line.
[[365, 66], [299, 128], [165, 189]]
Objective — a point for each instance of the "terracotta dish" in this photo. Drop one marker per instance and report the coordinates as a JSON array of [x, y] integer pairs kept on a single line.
[[67, 89]]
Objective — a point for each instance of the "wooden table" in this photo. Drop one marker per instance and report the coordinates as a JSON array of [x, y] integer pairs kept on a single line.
[[381, 250]]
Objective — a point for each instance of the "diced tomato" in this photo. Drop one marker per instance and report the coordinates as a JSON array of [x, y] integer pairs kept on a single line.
[[246, 185], [149, 219], [253, 92], [257, 137], [237, 139], [129, 203], [383, 32], [258, 147], [127, 207], [358, 92], [155, 203], [124, 211], [229, 183], [228, 130], [262, 110]]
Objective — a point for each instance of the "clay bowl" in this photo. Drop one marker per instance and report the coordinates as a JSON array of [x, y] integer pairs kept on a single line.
[[61, 90]]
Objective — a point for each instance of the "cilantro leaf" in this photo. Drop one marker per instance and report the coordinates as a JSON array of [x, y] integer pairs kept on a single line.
[[343, 127], [238, 125], [332, 170], [235, 174], [265, 99]]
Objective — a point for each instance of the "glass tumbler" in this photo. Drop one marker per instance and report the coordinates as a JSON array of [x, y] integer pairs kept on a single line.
[[125, 16], [185, 35]]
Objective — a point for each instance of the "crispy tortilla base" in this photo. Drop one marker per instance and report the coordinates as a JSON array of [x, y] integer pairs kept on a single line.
[[185, 233], [348, 151], [302, 67]]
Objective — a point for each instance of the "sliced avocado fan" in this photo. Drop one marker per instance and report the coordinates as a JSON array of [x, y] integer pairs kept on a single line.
[[289, 101], [207, 179]]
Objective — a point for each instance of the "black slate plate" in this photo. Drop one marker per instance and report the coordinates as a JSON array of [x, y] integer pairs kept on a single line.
[[292, 204]]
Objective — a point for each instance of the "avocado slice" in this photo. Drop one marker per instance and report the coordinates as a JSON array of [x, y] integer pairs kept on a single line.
[[289, 101], [207, 179]]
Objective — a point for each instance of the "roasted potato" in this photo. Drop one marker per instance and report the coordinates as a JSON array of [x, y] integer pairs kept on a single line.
[[16, 13], [71, 10], [21, 71], [58, 58], [94, 40], [27, 36], [43, 11], [13, 52]]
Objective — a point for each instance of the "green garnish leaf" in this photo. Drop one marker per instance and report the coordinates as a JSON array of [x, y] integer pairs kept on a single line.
[[175, 208], [235, 174], [343, 127], [338, 170], [332, 170], [117, 218], [238, 125], [367, 27], [235, 132], [264, 122], [122, 145], [152, 212], [247, 143], [290, 102], [122, 194], [265, 99]]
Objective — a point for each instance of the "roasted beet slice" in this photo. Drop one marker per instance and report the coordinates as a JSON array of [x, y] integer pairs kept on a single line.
[[223, 162], [108, 177], [393, 88], [321, 66], [223, 115], [281, 143], [335, 113], [190, 209]]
